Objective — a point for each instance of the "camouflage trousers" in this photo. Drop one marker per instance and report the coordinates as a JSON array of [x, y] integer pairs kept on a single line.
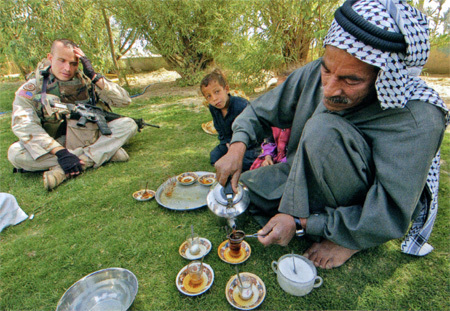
[[99, 151]]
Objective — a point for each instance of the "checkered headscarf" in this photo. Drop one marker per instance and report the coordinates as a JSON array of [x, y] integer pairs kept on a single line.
[[397, 83]]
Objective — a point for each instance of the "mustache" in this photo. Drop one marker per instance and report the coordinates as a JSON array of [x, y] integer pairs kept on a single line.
[[337, 100]]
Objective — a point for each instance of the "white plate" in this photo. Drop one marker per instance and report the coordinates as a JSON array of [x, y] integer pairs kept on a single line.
[[208, 273], [232, 292], [138, 195], [187, 178], [224, 253], [205, 247]]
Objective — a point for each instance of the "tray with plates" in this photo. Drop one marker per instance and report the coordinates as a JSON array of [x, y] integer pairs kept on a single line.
[[175, 196]]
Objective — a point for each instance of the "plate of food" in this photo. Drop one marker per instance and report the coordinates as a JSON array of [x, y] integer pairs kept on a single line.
[[172, 195], [207, 179], [187, 178], [144, 195]]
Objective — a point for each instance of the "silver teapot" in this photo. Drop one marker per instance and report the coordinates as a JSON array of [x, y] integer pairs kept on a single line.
[[223, 202]]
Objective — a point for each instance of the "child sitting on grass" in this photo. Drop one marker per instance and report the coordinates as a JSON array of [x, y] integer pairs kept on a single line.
[[224, 109]]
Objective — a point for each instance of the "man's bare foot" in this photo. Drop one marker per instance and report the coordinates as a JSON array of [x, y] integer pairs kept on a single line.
[[328, 255]]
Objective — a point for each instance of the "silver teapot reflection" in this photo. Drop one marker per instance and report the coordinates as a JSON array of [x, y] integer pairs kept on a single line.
[[223, 202]]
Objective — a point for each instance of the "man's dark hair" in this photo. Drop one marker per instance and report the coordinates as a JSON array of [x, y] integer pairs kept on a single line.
[[65, 42]]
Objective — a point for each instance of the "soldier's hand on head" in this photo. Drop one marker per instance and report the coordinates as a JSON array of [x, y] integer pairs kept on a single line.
[[69, 162], [87, 66]]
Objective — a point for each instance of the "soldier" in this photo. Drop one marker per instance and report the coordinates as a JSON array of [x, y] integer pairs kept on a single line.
[[48, 139]]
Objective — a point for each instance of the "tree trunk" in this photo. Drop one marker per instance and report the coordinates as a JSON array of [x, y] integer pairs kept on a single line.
[[111, 47]]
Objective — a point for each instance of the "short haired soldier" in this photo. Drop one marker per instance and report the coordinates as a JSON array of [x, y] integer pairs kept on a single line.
[[48, 139]]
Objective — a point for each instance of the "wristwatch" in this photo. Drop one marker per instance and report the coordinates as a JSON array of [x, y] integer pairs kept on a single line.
[[299, 231]]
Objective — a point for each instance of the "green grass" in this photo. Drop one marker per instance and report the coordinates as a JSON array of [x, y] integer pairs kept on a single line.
[[92, 222]]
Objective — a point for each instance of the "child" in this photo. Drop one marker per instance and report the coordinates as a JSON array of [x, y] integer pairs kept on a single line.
[[224, 109], [273, 148]]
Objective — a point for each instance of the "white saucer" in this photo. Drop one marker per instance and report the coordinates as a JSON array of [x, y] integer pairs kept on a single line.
[[205, 247], [208, 279], [232, 292], [138, 195]]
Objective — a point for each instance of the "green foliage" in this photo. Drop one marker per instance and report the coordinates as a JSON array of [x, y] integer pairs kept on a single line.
[[185, 33], [29, 28], [246, 38]]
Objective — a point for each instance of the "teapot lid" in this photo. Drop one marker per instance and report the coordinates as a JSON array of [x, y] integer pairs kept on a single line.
[[220, 196]]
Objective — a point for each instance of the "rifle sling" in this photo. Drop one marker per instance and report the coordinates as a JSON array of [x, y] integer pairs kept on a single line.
[[44, 103]]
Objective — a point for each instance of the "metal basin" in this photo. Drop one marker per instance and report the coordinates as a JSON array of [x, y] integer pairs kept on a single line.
[[111, 289]]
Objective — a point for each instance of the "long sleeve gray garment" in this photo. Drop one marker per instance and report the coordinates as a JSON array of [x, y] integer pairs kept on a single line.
[[402, 141]]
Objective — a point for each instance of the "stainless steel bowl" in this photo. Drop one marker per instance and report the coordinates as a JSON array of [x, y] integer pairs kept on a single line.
[[107, 289]]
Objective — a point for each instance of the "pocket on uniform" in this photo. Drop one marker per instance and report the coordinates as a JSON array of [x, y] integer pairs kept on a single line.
[[80, 136]]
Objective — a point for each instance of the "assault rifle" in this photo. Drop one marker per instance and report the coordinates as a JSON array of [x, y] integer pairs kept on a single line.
[[89, 113]]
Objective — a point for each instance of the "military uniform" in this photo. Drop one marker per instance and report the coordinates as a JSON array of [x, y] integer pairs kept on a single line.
[[41, 129]]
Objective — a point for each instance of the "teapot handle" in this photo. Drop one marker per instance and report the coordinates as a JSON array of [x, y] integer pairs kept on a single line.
[[228, 189], [275, 266]]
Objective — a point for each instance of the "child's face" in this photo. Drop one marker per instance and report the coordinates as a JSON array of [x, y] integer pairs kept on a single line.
[[216, 95]]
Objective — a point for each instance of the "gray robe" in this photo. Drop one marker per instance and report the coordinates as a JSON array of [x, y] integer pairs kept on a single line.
[[358, 175]]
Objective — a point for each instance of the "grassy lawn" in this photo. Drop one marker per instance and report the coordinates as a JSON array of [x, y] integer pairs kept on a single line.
[[92, 223]]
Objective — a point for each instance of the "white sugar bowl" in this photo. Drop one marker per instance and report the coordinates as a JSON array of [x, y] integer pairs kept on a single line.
[[299, 282]]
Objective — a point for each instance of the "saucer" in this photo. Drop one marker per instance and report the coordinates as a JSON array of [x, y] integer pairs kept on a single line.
[[232, 292], [205, 247], [224, 253], [207, 179], [187, 178], [183, 281], [141, 195]]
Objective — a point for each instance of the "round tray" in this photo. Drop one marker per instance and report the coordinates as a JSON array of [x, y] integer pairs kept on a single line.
[[182, 197]]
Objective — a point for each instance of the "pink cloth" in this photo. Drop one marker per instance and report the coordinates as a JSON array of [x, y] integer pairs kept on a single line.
[[276, 149]]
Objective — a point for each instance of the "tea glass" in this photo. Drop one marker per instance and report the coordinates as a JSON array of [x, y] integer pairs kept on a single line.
[[193, 244], [195, 271], [235, 241], [245, 288]]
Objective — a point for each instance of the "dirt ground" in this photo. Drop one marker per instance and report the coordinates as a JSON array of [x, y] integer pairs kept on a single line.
[[162, 83]]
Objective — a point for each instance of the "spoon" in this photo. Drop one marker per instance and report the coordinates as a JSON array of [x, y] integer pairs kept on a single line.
[[293, 262], [254, 235], [239, 277]]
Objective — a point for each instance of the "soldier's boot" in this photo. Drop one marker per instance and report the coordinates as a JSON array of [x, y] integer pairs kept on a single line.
[[53, 177], [120, 156]]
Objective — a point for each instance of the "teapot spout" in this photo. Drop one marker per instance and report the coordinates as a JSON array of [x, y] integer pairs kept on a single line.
[[232, 223]]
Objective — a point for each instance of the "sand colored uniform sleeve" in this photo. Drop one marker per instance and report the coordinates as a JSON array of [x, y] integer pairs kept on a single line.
[[26, 124], [113, 94]]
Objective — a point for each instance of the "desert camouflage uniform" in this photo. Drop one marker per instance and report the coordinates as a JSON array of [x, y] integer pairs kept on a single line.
[[39, 130]]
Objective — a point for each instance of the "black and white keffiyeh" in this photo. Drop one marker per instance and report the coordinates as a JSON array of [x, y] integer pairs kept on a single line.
[[397, 83]]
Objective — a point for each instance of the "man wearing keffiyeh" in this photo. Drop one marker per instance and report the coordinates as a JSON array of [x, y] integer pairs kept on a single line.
[[363, 158]]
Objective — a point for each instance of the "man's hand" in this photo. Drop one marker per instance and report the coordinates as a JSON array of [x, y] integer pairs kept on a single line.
[[231, 165], [279, 230], [69, 162], [87, 66]]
